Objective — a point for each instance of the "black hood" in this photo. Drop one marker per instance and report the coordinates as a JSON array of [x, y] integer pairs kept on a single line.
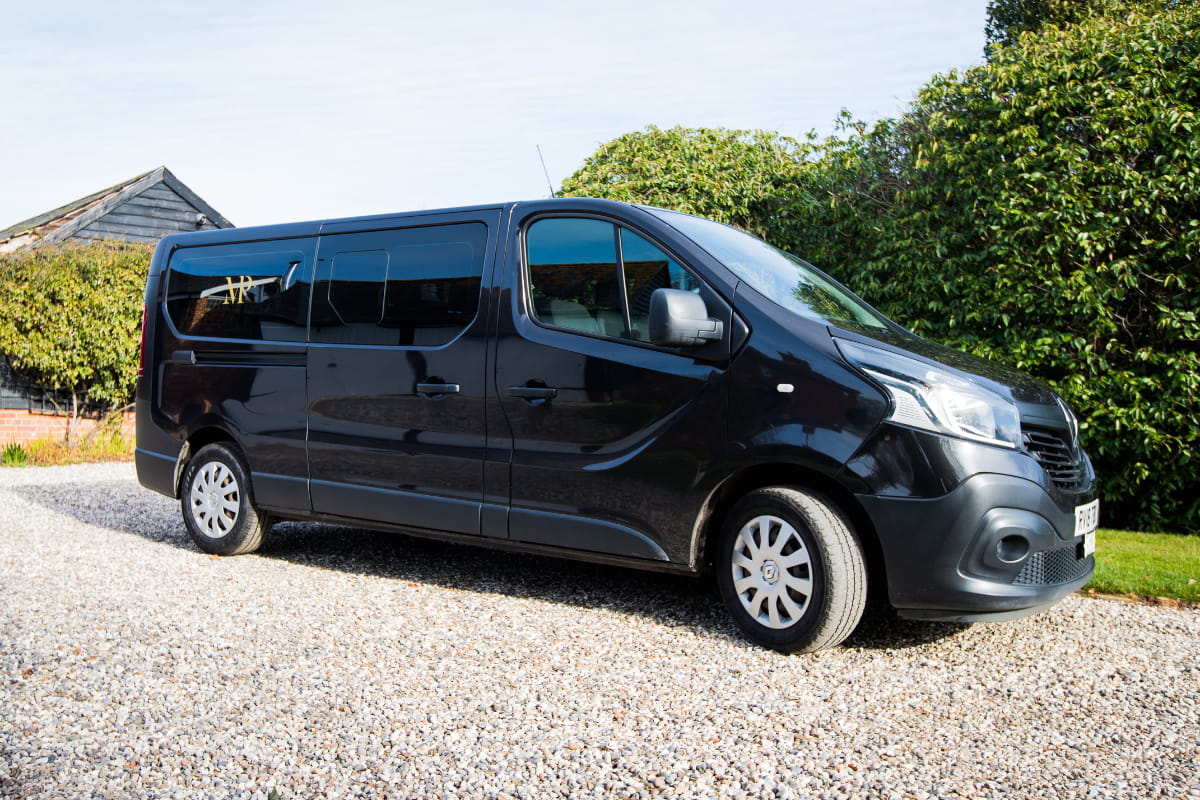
[[1006, 381]]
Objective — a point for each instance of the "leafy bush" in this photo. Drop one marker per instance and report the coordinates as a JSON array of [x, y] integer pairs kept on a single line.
[[70, 316]]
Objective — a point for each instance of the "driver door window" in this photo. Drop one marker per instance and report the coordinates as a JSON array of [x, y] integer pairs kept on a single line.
[[595, 277]]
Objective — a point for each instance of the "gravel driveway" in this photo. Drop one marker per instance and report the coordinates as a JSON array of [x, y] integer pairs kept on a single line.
[[341, 663]]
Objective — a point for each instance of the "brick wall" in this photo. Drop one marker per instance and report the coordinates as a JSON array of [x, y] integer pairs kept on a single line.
[[18, 425]]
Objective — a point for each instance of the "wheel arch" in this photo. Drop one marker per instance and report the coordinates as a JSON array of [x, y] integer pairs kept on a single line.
[[729, 492], [217, 498], [198, 439]]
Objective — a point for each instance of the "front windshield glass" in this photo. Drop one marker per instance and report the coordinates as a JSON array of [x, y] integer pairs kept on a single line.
[[792, 283]]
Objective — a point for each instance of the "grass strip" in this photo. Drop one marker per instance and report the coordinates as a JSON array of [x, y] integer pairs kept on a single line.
[[1147, 565]]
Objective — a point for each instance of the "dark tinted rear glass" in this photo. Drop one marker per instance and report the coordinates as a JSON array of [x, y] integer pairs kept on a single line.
[[250, 290], [410, 287]]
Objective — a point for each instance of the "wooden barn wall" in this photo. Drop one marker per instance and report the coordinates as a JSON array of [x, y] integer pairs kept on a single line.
[[146, 218]]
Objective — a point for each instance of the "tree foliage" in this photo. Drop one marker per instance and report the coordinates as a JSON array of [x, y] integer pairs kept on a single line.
[[70, 316], [1042, 209], [1007, 20], [745, 178]]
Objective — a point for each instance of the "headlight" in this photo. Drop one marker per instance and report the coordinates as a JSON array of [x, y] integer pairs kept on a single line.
[[932, 399], [1072, 420]]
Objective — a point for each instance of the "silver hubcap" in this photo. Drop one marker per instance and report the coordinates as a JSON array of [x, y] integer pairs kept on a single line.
[[215, 499], [772, 572]]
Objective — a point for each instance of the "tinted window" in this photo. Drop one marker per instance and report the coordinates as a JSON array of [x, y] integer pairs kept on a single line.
[[406, 287], [597, 277], [357, 280], [648, 268], [251, 290], [573, 278]]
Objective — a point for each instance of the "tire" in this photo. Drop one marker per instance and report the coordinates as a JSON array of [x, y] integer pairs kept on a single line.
[[791, 571], [218, 504]]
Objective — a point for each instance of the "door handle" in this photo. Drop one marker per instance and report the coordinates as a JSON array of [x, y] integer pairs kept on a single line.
[[436, 390], [533, 392]]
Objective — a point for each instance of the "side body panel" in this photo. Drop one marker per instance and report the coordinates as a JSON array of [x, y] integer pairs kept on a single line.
[[396, 407]]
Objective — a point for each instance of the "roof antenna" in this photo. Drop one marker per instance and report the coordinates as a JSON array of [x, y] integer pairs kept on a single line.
[[549, 185]]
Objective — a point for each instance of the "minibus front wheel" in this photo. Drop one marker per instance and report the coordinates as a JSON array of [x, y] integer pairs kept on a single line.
[[791, 570], [218, 505]]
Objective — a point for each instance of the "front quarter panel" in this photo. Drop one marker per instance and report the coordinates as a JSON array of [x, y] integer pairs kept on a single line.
[[793, 399]]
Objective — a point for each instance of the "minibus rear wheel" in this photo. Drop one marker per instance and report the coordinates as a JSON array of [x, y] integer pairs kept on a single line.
[[218, 505], [791, 570]]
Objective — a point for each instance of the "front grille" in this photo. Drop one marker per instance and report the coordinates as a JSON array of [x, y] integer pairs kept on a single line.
[[1049, 567], [1055, 455]]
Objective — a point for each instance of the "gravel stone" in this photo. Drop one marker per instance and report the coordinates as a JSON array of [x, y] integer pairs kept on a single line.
[[344, 663]]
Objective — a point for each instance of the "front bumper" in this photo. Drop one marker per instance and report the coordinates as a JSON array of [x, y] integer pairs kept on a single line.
[[995, 547]]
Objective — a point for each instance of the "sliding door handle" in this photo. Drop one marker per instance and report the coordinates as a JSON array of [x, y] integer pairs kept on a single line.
[[436, 390], [533, 392]]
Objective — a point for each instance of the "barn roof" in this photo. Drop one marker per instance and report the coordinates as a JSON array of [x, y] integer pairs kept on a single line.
[[142, 209]]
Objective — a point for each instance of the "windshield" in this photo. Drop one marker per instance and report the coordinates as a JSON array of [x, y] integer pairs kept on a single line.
[[792, 283]]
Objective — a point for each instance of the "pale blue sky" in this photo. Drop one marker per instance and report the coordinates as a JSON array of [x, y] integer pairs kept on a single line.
[[279, 111]]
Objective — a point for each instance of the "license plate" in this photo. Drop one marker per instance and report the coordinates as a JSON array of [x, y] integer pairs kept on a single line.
[[1087, 520]]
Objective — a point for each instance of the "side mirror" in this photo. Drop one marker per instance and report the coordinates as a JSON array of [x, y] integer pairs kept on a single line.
[[680, 319]]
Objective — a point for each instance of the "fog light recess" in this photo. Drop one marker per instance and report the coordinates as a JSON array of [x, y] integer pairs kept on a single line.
[[1012, 549]]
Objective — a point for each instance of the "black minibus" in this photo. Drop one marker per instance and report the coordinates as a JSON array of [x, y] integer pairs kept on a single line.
[[608, 382]]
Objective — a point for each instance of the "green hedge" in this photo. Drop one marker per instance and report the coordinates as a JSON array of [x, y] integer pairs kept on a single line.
[[70, 318], [1044, 210]]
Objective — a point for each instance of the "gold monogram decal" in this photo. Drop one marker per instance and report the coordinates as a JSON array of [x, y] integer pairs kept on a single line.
[[235, 288], [237, 295]]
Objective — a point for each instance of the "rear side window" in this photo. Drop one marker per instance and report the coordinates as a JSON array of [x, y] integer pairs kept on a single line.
[[595, 277], [250, 290], [410, 287]]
